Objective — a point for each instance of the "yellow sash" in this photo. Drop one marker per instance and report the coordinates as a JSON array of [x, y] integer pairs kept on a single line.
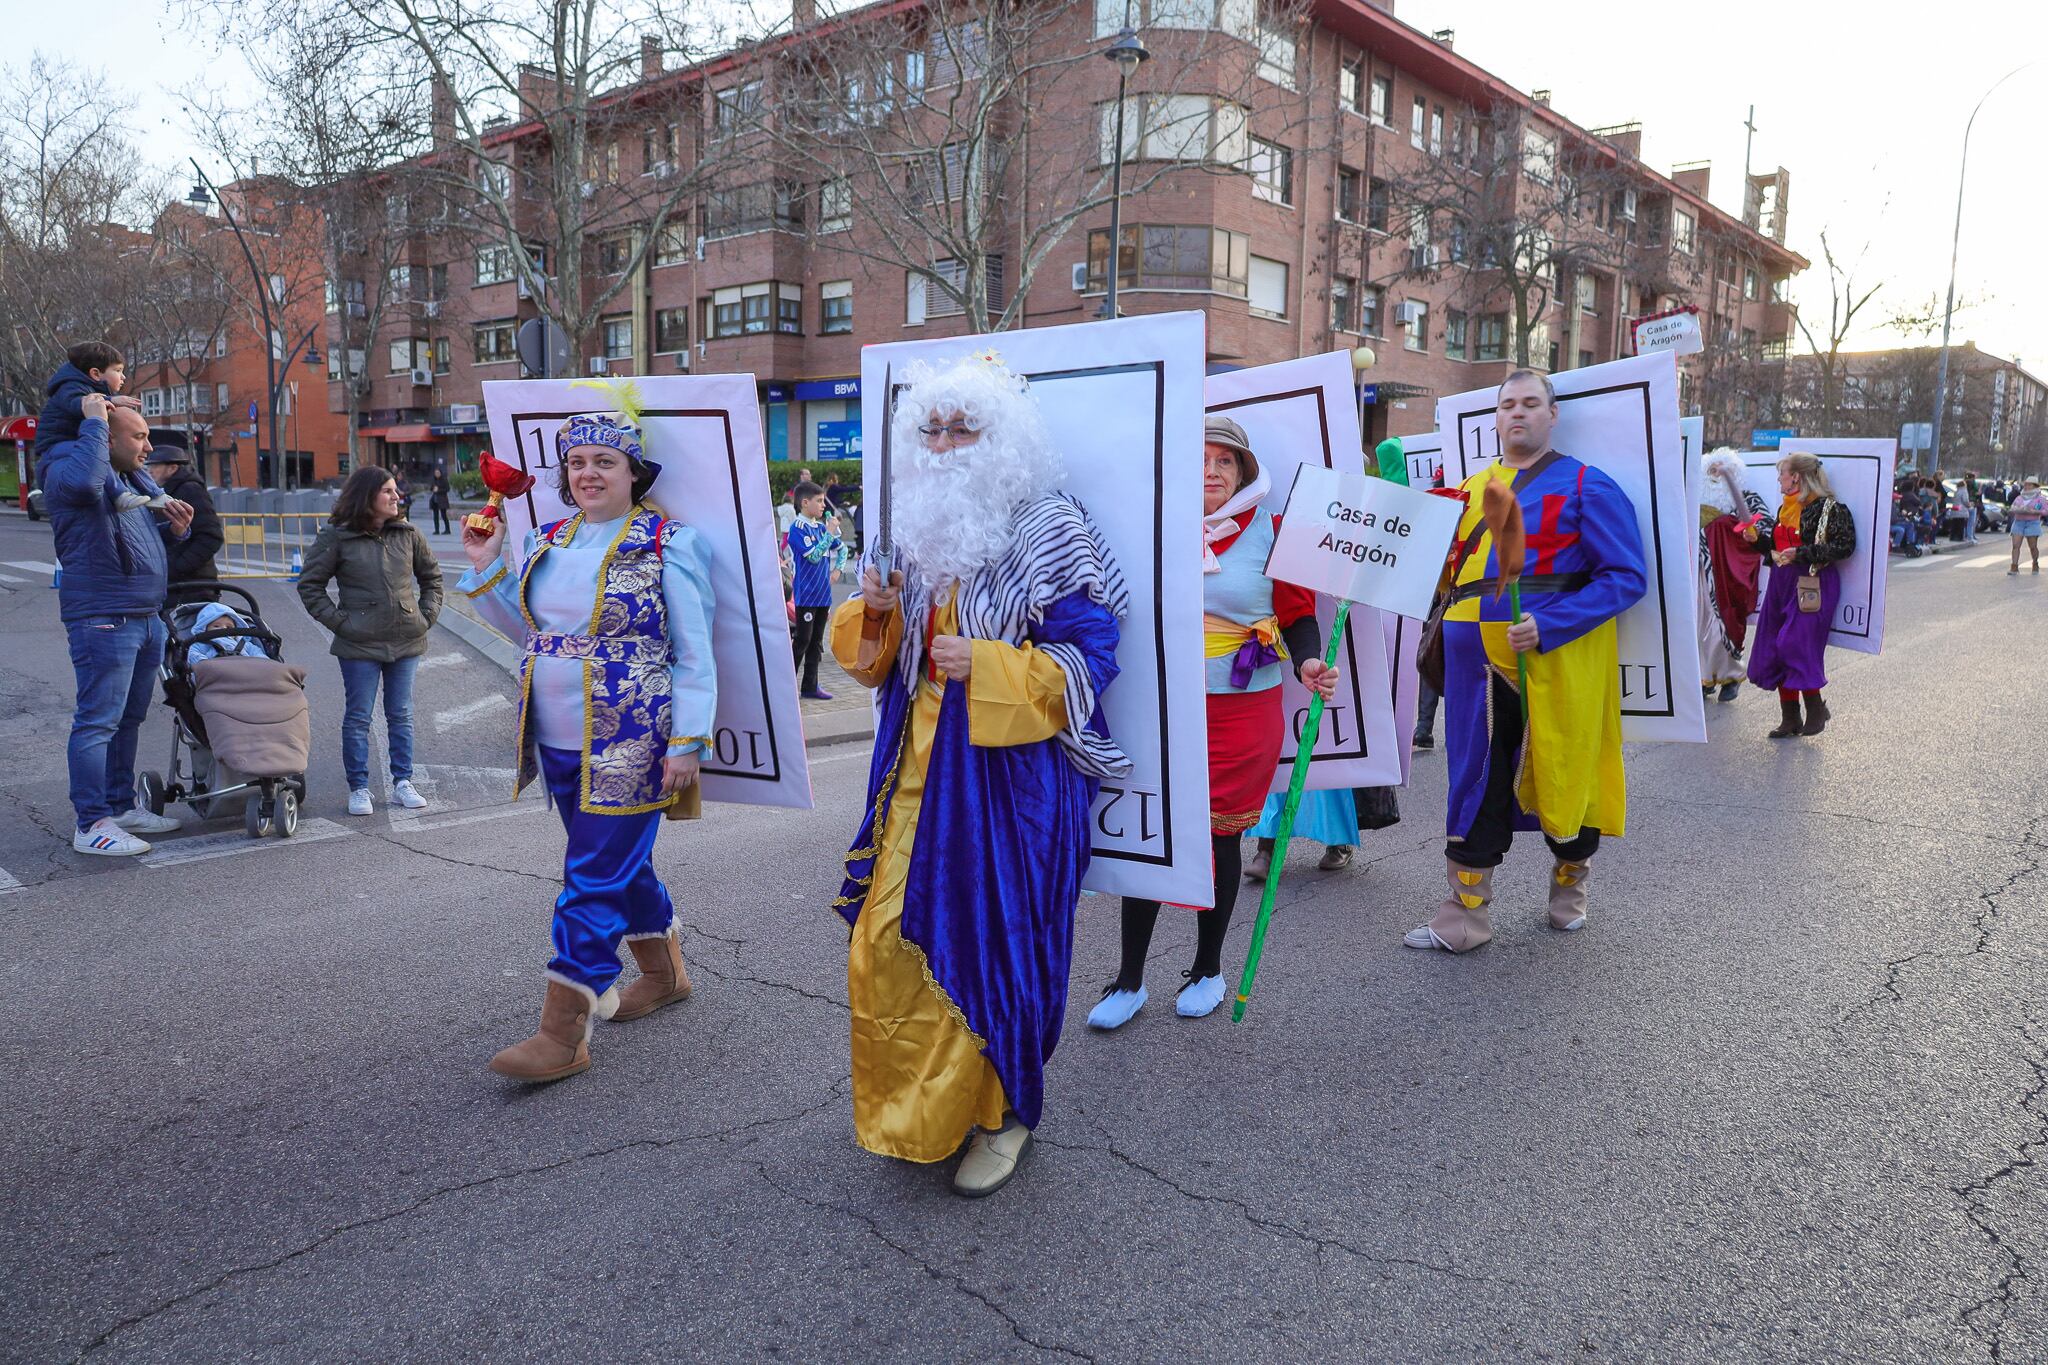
[[1222, 638]]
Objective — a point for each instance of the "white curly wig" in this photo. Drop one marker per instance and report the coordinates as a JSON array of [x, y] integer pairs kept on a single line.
[[1721, 481], [955, 509]]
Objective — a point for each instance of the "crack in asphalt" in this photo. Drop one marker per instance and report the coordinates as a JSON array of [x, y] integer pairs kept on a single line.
[[1884, 821], [391, 837], [432, 1196], [1986, 1317], [949, 1278], [1274, 1225]]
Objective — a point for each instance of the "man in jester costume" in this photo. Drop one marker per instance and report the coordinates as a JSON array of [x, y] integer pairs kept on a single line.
[[617, 696], [991, 648], [1560, 770]]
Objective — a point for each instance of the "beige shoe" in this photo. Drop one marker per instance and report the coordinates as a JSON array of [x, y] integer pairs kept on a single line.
[[1460, 923], [1261, 862], [1568, 896], [561, 1047], [991, 1160], [1335, 858], [662, 980]]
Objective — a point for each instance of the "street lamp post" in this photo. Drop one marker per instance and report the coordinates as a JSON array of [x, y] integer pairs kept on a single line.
[[1128, 54], [1954, 248], [1363, 358], [203, 193]]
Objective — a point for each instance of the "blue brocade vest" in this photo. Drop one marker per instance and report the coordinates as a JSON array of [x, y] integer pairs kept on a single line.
[[626, 682]]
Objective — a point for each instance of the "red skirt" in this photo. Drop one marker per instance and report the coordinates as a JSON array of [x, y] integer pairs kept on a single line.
[[1244, 749]]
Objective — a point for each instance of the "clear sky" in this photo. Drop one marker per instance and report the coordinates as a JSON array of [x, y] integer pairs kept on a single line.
[[1865, 104]]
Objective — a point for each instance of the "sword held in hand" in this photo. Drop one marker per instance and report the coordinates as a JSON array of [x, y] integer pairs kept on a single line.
[[884, 556]]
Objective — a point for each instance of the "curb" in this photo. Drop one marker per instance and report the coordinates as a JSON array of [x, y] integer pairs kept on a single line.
[[832, 727]]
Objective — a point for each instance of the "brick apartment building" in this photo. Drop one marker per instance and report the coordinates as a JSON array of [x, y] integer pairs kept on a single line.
[[1323, 214], [195, 350], [1997, 420]]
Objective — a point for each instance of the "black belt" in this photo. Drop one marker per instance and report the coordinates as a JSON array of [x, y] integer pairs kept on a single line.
[[1530, 582]]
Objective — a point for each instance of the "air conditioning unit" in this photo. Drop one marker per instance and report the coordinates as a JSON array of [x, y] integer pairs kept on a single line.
[[599, 365], [423, 379], [1080, 277], [589, 188], [1408, 314], [1422, 257], [432, 308], [683, 361], [664, 169]]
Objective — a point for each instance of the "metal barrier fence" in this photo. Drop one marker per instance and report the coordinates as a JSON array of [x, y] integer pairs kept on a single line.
[[266, 544]]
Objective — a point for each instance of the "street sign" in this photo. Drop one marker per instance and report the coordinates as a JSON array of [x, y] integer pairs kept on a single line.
[[543, 349], [1677, 331], [252, 409], [1767, 438], [1917, 436]]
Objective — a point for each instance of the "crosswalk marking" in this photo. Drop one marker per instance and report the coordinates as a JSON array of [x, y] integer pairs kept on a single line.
[[438, 661], [11, 580], [468, 711], [34, 566], [8, 882], [172, 852]]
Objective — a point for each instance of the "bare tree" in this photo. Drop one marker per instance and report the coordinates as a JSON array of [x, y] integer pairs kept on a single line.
[[180, 320], [1846, 301], [920, 130]]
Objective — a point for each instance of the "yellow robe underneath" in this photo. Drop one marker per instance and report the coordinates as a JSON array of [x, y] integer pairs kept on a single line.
[[920, 1079]]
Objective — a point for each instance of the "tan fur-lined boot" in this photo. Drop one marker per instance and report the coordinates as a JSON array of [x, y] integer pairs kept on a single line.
[[1568, 895], [662, 980], [561, 1048], [1460, 923]]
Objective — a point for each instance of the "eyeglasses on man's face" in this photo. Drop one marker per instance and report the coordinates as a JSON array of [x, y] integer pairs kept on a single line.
[[958, 431]]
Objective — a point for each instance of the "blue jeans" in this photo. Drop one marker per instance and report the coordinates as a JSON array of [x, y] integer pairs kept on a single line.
[[359, 680], [114, 659]]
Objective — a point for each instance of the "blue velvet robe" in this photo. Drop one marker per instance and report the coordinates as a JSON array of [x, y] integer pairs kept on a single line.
[[1002, 842]]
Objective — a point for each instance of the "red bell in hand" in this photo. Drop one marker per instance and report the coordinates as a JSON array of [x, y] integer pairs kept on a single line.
[[504, 481]]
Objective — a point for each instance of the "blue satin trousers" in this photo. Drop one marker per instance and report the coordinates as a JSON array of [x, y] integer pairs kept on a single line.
[[609, 890]]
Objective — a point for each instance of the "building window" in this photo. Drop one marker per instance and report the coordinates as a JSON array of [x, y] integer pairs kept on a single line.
[[1752, 285], [1276, 45], [1454, 335], [1585, 359], [442, 351], [1342, 290], [1383, 101], [1422, 248], [152, 402], [1436, 131], [1350, 194], [1539, 156], [946, 287], [492, 342], [1684, 231], [658, 148], [1351, 85], [1268, 287], [956, 54], [398, 283], [618, 338], [1372, 302], [672, 244], [1588, 292], [1173, 256], [615, 252], [671, 330], [1459, 243], [737, 105], [433, 282], [1272, 171], [835, 205], [1492, 341], [913, 299], [1417, 121], [835, 307], [725, 313], [181, 398], [1418, 326], [1175, 128], [749, 309], [757, 207], [401, 354], [945, 171], [493, 264], [789, 309], [755, 300], [1379, 199]]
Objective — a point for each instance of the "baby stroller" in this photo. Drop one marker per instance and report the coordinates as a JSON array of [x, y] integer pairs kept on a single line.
[[239, 726]]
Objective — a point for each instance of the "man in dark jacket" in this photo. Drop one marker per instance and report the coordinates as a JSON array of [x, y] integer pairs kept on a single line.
[[191, 557], [114, 562]]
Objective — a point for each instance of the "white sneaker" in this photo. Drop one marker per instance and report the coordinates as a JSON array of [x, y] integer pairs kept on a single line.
[[1199, 997], [406, 795], [359, 802], [107, 840], [142, 821], [1422, 936], [1115, 1009]]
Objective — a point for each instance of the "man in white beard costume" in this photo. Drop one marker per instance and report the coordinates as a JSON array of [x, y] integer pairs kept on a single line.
[[1727, 571], [991, 648]]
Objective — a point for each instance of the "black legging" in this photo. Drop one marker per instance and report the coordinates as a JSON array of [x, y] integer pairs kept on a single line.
[[1210, 925]]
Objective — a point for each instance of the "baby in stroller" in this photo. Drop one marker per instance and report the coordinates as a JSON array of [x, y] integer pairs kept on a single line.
[[239, 727]]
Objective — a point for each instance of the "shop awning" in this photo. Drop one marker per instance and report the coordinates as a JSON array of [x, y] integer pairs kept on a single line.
[[402, 435]]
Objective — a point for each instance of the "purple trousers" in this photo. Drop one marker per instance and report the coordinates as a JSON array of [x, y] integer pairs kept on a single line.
[[1791, 644]]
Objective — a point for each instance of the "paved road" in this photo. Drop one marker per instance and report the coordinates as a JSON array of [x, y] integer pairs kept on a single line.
[[1784, 1100]]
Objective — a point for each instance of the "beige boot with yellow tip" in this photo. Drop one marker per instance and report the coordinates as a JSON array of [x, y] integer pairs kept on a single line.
[[1568, 896], [1460, 923]]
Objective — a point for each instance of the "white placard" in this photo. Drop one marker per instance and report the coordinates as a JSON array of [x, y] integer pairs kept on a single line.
[[1670, 333], [1364, 540], [1424, 452], [1622, 418], [1861, 471], [1302, 414], [1402, 636], [1123, 401], [705, 433]]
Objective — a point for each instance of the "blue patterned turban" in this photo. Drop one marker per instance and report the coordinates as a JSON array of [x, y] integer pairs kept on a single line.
[[599, 429]]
